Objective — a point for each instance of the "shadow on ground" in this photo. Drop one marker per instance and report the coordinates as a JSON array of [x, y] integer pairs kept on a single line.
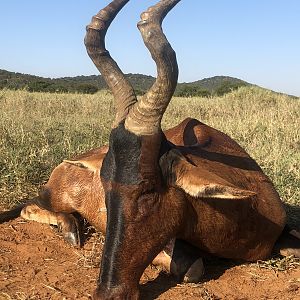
[[214, 268]]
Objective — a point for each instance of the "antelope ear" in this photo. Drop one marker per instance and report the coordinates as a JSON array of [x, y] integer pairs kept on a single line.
[[198, 181], [212, 190], [86, 164]]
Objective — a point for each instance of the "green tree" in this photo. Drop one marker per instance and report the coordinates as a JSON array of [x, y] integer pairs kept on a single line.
[[227, 87], [86, 88], [38, 86], [192, 91]]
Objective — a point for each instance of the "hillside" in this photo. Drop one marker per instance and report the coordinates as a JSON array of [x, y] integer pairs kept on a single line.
[[217, 85]]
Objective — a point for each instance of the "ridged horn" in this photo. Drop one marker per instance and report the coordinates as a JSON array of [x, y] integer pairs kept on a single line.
[[122, 90], [145, 116]]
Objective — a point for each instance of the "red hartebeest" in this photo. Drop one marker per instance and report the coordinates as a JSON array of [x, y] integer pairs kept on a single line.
[[211, 195]]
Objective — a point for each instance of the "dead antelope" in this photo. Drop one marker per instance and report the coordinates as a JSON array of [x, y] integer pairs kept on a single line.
[[211, 195]]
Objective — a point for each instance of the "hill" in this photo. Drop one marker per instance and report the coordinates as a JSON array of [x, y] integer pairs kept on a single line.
[[217, 85]]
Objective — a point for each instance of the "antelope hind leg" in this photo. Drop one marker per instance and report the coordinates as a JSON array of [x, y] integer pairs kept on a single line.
[[181, 260], [33, 212], [67, 224]]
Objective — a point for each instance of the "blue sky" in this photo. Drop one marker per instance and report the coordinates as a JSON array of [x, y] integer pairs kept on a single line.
[[257, 40]]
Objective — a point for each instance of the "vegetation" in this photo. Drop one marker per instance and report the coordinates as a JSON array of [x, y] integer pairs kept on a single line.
[[39, 130], [186, 90], [227, 87], [207, 87]]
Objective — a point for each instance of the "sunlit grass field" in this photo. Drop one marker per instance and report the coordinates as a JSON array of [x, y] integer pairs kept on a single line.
[[39, 130]]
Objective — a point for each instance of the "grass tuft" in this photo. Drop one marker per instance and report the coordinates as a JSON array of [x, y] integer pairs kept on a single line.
[[89, 257], [279, 264]]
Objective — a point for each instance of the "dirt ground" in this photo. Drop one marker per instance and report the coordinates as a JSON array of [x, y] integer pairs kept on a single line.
[[35, 263]]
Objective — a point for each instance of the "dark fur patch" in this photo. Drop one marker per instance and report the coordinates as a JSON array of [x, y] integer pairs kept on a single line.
[[244, 163], [165, 145], [11, 214], [168, 162], [113, 240], [43, 201], [121, 161], [184, 255]]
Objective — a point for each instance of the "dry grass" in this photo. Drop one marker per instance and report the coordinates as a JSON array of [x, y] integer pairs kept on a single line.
[[17, 296], [279, 264], [90, 255], [38, 130]]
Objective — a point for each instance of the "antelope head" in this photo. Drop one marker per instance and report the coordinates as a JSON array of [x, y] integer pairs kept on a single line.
[[142, 211]]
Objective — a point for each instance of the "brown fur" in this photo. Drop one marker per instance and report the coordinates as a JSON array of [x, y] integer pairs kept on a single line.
[[236, 199], [75, 186]]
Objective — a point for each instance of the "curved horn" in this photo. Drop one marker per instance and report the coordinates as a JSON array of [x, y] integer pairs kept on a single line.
[[145, 116], [95, 44]]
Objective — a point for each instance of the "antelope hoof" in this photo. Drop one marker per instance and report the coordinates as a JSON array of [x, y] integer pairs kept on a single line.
[[72, 238], [195, 272], [69, 227]]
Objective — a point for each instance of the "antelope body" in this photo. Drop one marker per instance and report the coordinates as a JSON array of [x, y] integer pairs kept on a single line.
[[211, 195]]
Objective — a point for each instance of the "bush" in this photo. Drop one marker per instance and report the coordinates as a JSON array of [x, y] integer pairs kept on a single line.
[[191, 91], [38, 86], [228, 87], [86, 88]]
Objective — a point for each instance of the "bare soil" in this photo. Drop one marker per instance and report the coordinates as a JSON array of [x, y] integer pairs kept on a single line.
[[35, 263]]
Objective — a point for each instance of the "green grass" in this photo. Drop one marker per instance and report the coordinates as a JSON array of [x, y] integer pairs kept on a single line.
[[39, 130]]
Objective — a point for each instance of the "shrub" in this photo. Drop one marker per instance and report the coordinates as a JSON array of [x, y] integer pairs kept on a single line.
[[86, 88]]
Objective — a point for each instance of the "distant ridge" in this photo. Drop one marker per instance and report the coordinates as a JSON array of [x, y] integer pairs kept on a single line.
[[91, 84], [213, 83]]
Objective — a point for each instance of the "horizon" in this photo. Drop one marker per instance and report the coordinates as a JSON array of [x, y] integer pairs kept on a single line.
[[256, 42], [99, 74]]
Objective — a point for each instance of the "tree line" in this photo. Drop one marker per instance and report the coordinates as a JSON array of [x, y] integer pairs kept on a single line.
[[209, 87]]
